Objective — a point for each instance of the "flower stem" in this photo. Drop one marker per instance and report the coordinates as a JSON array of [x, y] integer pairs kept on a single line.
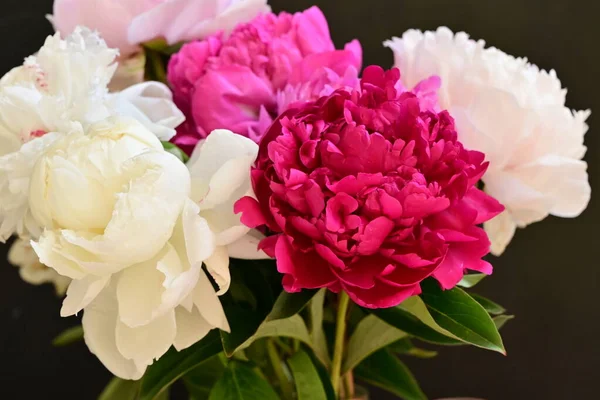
[[284, 383], [340, 337], [349, 385]]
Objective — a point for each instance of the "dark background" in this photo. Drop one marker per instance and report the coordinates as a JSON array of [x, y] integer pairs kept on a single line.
[[549, 276]]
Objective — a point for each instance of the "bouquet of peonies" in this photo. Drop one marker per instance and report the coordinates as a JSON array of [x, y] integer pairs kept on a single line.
[[233, 202]]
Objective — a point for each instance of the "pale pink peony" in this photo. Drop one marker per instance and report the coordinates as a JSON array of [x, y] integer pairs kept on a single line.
[[125, 24], [370, 192], [241, 82]]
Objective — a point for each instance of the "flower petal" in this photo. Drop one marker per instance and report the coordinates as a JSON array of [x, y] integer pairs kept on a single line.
[[99, 327], [81, 293], [149, 342], [191, 327], [218, 267], [246, 248], [209, 305]]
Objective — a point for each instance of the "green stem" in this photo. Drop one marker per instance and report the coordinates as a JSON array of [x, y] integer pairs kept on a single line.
[[284, 346], [284, 383], [158, 66], [340, 336], [349, 385]]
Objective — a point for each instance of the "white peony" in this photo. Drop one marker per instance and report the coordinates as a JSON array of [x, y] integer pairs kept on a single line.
[[220, 171], [32, 270], [63, 88], [118, 220], [513, 112]]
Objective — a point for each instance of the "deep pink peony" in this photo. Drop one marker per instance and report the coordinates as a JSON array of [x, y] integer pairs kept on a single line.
[[243, 81], [369, 191]]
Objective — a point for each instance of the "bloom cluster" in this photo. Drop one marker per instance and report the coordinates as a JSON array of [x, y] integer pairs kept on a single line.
[[367, 184]]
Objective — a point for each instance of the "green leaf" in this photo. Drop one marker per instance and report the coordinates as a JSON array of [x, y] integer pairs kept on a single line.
[[490, 306], [317, 334], [412, 317], [468, 281], [69, 336], [176, 151], [501, 320], [324, 375], [120, 389], [173, 365], [384, 370], [306, 377], [290, 304], [405, 346], [293, 327], [240, 382], [371, 335], [455, 311], [200, 381], [247, 326]]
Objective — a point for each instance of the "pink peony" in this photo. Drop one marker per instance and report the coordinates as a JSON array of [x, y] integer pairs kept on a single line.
[[243, 81], [369, 191]]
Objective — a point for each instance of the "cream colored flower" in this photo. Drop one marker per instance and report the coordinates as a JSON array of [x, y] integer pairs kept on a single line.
[[63, 88], [118, 220], [514, 113], [32, 270]]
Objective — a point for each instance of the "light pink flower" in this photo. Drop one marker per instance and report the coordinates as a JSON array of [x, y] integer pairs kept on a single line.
[[243, 81], [370, 192], [126, 23]]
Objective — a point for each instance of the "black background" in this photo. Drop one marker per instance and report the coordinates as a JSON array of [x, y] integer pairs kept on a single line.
[[549, 276]]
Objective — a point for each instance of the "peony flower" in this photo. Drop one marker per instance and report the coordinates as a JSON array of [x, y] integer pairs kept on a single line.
[[127, 23], [63, 88], [513, 112], [32, 270], [118, 220], [241, 82], [369, 192]]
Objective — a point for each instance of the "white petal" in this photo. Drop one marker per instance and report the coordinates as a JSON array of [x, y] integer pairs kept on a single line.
[[149, 342], [81, 293], [148, 290], [192, 237], [526, 204], [220, 166], [209, 305], [218, 266], [143, 217], [500, 230], [563, 180], [46, 250], [246, 248], [99, 326], [151, 103], [191, 327]]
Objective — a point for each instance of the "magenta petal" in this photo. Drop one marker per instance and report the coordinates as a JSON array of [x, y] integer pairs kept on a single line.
[[450, 271], [486, 206], [380, 296], [252, 215], [374, 235], [231, 96], [308, 270]]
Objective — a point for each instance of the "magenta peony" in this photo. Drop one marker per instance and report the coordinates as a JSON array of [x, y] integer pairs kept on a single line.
[[369, 191], [243, 81]]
